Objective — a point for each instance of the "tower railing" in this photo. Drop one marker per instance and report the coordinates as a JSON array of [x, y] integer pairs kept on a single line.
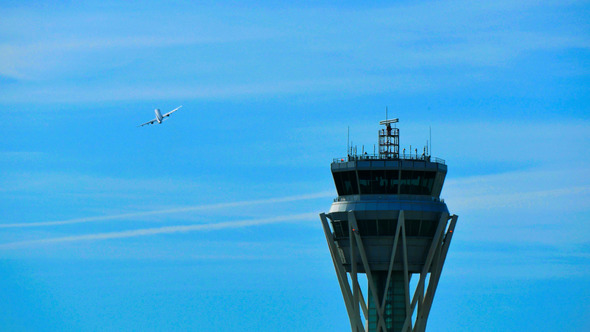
[[410, 156]]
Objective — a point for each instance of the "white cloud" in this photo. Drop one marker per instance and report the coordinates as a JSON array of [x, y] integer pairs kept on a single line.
[[15, 182], [143, 91], [341, 48], [133, 215], [517, 264], [548, 190], [20, 156], [162, 230], [536, 207]]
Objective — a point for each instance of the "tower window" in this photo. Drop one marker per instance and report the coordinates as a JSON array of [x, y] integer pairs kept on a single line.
[[417, 182], [346, 183]]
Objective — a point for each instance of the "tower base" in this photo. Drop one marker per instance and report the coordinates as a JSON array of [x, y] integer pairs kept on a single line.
[[389, 306]]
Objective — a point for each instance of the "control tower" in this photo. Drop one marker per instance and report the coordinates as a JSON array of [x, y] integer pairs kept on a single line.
[[390, 224]]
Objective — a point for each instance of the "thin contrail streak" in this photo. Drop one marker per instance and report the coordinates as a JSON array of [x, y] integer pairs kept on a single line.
[[162, 230], [170, 211]]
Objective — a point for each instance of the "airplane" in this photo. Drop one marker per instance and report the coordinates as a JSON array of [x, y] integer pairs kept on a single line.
[[159, 116]]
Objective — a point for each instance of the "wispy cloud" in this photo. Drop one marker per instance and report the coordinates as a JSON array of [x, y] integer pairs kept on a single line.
[[163, 230], [530, 207], [74, 39], [318, 85], [169, 211], [526, 199], [18, 156], [526, 262], [523, 190], [342, 48]]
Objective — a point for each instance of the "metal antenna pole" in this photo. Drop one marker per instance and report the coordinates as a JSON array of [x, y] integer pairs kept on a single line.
[[430, 133], [348, 142]]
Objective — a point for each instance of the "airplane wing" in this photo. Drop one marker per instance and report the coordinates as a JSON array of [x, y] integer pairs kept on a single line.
[[174, 110], [148, 123]]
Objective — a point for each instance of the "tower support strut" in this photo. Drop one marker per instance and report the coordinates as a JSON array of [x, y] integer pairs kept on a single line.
[[395, 318]]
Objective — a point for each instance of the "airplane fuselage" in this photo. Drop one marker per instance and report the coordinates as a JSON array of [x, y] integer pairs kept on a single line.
[[158, 115]]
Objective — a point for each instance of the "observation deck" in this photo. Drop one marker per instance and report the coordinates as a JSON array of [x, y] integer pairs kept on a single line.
[[370, 175]]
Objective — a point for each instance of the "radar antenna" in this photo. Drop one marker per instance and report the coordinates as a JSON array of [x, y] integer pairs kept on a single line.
[[389, 140]]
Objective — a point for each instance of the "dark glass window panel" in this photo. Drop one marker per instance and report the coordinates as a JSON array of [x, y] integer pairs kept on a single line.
[[427, 228], [412, 227], [428, 182], [349, 183], [393, 178], [365, 182], [405, 182], [415, 179], [379, 182], [387, 227], [338, 182], [423, 184], [354, 182], [367, 227], [337, 226], [415, 182], [342, 228]]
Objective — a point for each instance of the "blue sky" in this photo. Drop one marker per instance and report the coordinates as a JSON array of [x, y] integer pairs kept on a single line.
[[209, 222]]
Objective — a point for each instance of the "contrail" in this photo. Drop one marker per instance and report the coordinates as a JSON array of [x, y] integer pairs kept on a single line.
[[163, 230], [517, 199], [170, 211]]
